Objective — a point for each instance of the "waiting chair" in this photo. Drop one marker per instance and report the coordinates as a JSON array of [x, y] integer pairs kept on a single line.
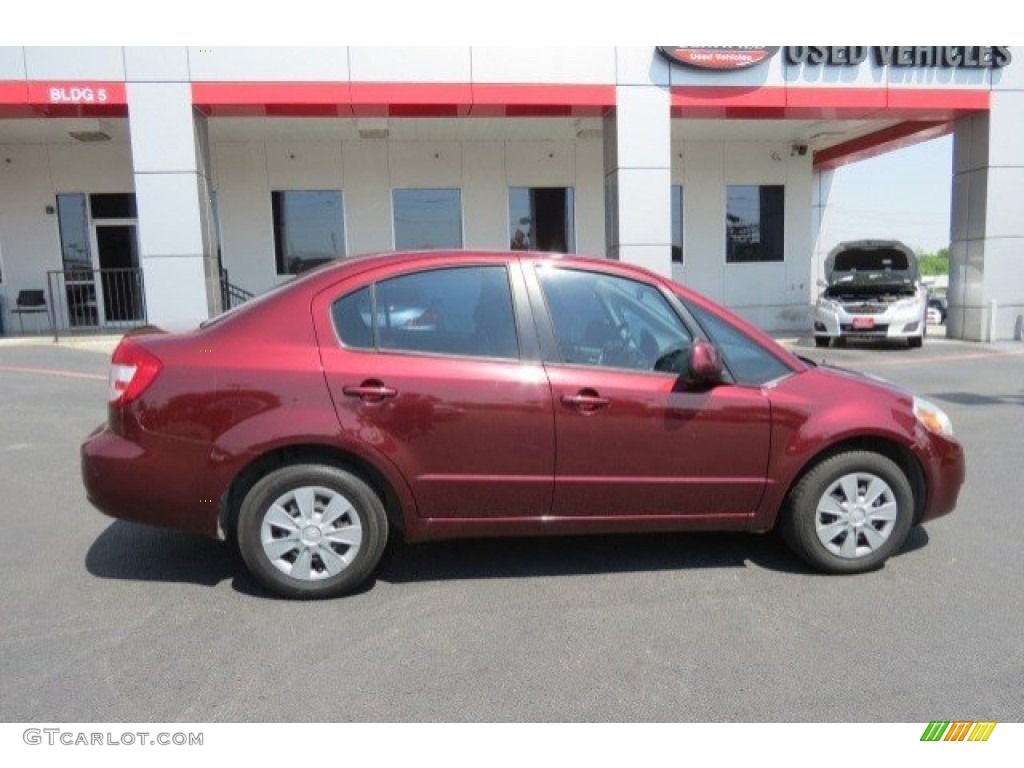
[[30, 302]]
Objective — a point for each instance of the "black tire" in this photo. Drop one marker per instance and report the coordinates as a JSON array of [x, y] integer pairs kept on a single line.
[[799, 514], [821, 341], [365, 505], [915, 342]]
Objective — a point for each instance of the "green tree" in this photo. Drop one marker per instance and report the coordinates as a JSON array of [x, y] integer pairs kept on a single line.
[[934, 263]]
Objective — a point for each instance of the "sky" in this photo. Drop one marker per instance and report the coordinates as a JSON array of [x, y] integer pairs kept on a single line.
[[902, 195]]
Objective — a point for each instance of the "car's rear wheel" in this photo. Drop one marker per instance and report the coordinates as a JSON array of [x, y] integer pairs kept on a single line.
[[849, 513], [311, 531], [821, 341]]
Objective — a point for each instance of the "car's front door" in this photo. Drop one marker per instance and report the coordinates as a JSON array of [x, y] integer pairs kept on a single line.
[[632, 440], [429, 371]]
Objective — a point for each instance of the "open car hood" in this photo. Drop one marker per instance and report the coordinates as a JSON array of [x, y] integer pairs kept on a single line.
[[868, 262]]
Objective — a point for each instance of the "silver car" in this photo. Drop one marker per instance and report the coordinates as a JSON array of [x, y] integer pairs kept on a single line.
[[873, 291]]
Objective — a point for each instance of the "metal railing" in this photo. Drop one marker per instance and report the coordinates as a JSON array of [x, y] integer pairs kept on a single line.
[[230, 294], [84, 300]]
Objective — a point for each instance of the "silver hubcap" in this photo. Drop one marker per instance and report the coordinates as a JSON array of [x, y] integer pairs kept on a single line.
[[311, 533], [856, 515]]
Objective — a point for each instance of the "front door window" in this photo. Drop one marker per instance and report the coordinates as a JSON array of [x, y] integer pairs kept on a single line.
[[611, 322]]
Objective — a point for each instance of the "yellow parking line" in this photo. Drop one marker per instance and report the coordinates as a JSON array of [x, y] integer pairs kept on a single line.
[[950, 358], [52, 372]]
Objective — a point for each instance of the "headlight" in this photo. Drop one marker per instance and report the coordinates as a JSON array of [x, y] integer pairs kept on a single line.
[[828, 305], [932, 417], [905, 304]]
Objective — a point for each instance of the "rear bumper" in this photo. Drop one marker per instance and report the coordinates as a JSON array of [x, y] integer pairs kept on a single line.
[[125, 480]]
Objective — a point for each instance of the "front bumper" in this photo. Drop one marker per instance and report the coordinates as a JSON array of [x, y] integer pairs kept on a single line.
[[891, 324], [945, 472]]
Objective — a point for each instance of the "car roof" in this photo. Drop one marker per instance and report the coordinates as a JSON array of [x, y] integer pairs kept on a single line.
[[329, 272]]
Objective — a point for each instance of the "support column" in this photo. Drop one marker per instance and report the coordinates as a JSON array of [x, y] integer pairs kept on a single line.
[[987, 253], [638, 177], [821, 223], [170, 154]]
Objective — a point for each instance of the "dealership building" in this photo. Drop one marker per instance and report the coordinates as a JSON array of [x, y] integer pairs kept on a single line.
[[159, 184]]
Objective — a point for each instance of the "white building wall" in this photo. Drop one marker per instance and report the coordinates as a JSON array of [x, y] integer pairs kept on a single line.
[[822, 217], [245, 174], [775, 295], [367, 197], [484, 202], [268, 64], [31, 176]]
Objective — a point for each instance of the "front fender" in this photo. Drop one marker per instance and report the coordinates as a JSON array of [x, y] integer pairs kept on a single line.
[[814, 412]]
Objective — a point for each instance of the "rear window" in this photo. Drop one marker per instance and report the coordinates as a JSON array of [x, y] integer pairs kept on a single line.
[[871, 260]]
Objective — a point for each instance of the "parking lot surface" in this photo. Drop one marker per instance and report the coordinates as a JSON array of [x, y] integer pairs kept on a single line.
[[107, 620]]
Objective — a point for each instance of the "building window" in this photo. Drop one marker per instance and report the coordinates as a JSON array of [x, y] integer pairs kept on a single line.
[[73, 223], [677, 224], [541, 219], [118, 205], [428, 218], [309, 228], [754, 223]]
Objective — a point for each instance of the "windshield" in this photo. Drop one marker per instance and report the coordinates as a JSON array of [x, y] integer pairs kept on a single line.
[[876, 260]]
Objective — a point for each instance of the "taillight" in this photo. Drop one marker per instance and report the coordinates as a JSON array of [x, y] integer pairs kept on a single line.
[[132, 370]]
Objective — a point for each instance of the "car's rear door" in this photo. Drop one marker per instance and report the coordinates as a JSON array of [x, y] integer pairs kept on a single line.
[[630, 440], [436, 366]]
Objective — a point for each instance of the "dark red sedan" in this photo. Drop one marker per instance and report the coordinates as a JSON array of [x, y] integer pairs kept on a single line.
[[460, 394]]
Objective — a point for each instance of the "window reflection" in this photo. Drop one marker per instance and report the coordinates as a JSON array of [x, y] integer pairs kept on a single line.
[[72, 220], [428, 218], [465, 311], [754, 223], [677, 224], [309, 229], [541, 219], [610, 322]]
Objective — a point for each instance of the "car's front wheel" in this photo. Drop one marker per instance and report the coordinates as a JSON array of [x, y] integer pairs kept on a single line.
[[311, 531], [849, 513]]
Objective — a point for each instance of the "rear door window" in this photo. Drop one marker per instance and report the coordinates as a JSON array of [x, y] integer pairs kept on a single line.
[[463, 311], [353, 319]]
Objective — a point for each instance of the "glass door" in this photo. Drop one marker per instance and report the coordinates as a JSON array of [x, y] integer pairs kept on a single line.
[[116, 245]]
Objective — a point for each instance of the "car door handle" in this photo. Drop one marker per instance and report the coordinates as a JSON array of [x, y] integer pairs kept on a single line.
[[369, 391], [586, 400]]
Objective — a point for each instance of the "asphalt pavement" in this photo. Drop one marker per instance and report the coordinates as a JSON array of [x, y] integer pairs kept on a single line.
[[105, 620]]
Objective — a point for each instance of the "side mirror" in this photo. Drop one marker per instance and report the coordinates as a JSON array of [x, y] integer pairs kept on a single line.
[[705, 363]]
